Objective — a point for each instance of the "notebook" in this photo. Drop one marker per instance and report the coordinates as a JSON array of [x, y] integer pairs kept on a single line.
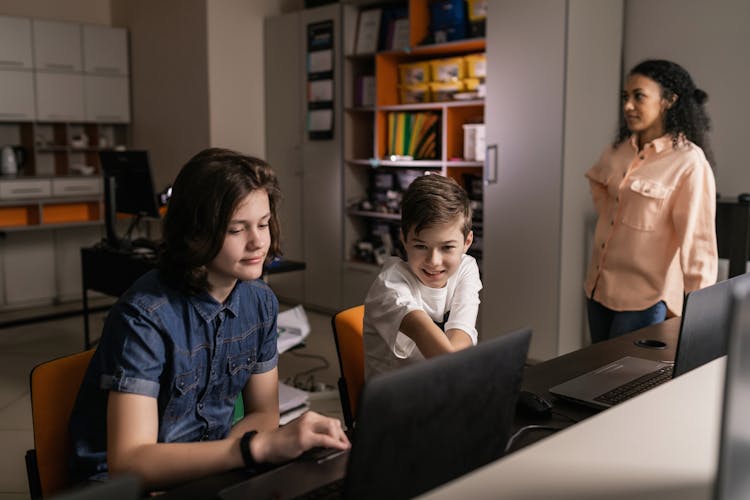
[[417, 428], [702, 338], [734, 448]]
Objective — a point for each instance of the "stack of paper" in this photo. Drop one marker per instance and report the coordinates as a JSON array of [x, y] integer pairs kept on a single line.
[[293, 402], [293, 327]]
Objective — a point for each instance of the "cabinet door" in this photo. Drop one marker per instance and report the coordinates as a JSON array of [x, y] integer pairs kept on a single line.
[[15, 43], [107, 99], [68, 244], [28, 268], [17, 96], [59, 97], [105, 50], [57, 46], [284, 119]]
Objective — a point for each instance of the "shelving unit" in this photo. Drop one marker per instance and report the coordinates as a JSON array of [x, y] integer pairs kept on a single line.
[[366, 132]]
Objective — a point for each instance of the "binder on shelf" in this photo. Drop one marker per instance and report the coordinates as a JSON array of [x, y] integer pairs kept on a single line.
[[414, 134], [368, 31]]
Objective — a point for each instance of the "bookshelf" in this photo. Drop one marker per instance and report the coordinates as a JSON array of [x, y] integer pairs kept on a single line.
[[367, 150]]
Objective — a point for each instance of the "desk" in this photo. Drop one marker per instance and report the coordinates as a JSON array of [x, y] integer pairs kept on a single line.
[[662, 445], [538, 378], [111, 272]]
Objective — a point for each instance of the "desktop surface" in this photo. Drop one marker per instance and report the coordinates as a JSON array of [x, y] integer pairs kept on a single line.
[[661, 445]]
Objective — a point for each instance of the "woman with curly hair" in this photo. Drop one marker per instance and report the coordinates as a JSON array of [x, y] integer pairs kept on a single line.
[[655, 195]]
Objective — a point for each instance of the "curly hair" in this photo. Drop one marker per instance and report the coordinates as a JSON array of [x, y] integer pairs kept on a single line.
[[206, 193], [687, 116]]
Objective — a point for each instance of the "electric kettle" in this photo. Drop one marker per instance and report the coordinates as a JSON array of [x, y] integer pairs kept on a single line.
[[8, 161]]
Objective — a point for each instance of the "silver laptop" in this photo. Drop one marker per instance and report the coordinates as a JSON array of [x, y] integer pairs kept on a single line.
[[702, 338], [417, 428], [732, 480]]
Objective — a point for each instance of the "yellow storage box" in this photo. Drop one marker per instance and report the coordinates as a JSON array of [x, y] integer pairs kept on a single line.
[[448, 70], [444, 91], [413, 73], [416, 93], [476, 65]]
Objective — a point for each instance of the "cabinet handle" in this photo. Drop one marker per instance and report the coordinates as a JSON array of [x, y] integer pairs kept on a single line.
[[58, 66], [11, 63], [14, 115], [25, 190], [108, 117], [490, 159]]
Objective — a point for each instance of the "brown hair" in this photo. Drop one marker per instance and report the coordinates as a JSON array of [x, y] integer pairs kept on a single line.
[[431, 200], [205, 195]]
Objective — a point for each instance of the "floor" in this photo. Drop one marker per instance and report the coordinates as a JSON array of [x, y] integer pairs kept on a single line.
[[24, 346]]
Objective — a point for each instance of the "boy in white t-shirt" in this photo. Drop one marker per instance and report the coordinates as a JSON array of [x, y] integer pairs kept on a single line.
[[427, 305]]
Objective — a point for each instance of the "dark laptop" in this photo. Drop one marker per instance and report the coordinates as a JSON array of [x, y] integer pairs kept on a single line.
[[734, 449], [417, 428], [703, 337]]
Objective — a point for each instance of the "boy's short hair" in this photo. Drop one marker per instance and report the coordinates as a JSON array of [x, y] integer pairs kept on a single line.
[[205, 194], [431, 200]]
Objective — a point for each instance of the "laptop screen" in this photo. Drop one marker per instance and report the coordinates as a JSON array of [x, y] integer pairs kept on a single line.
[[705, 322], [732, 481], [424, 425]]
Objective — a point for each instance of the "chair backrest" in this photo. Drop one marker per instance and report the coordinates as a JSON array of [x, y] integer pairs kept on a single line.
[[54, 388], [347, 333]]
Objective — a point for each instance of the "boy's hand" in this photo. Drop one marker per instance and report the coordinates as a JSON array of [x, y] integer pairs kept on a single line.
[[308, 431]]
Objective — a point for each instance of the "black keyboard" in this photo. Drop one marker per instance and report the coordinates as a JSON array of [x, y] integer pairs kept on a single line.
[[327, 491], [635, 387]]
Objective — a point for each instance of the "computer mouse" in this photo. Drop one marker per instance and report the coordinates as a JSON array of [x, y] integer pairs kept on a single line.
[[532, 404]]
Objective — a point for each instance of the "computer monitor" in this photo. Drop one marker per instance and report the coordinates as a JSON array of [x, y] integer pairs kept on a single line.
[[128, 189]]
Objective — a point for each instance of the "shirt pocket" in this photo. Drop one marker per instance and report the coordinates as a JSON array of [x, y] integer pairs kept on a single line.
[[239, 368], [643, 204], [184, 395]]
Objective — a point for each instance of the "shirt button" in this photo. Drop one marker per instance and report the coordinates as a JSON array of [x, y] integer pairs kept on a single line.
[[200, 406]]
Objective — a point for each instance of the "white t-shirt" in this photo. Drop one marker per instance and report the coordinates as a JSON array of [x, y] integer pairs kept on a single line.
[[396, 292]]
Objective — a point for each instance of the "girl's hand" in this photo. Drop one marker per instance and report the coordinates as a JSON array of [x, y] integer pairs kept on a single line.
[[308, 431]]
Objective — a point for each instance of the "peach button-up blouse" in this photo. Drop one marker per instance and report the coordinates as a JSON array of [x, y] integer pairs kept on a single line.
[[655, 237]]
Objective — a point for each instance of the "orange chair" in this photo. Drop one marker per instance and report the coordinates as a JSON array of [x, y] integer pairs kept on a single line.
[[347, 333], [54, 388]]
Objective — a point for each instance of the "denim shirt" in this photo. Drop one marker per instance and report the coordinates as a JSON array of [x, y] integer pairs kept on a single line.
[[191, 353]]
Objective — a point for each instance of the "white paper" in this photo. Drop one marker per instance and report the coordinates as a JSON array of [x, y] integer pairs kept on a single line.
[[291, 397], [319, 61], [320, 90], [293, 327], [287, 417], [320, 120]]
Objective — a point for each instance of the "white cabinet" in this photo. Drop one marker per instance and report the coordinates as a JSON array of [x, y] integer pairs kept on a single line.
[[310, 175], [551, 107], [57, 46], [59, 97], [105, 50], [22, 189], [15, 43], [28, 268], [107, 99], [17, 96]]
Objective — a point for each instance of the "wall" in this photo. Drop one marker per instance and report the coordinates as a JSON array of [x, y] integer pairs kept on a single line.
[[710, 39], [169, 80], [235, 73], [80, 11]]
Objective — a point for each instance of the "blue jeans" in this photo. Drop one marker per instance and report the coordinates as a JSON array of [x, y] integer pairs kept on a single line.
[[604, 323]]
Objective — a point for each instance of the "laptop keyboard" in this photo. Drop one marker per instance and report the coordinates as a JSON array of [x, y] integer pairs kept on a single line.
[[635, 387], [330, 490]]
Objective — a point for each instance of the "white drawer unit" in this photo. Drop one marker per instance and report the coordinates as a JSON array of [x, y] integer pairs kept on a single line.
[[24, 189], [76, 187]]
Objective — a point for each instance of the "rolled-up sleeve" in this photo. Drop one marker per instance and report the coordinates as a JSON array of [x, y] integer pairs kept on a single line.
[[268, 355], [694, 218]]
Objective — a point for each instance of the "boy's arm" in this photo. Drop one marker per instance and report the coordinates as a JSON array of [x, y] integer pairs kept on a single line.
[[430, 339], [459, 339]]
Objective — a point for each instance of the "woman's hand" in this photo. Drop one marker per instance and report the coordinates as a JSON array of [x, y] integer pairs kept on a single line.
[[290, 441]]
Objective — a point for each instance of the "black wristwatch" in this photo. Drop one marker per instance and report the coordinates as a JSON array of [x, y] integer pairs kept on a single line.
[[247, 456]]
